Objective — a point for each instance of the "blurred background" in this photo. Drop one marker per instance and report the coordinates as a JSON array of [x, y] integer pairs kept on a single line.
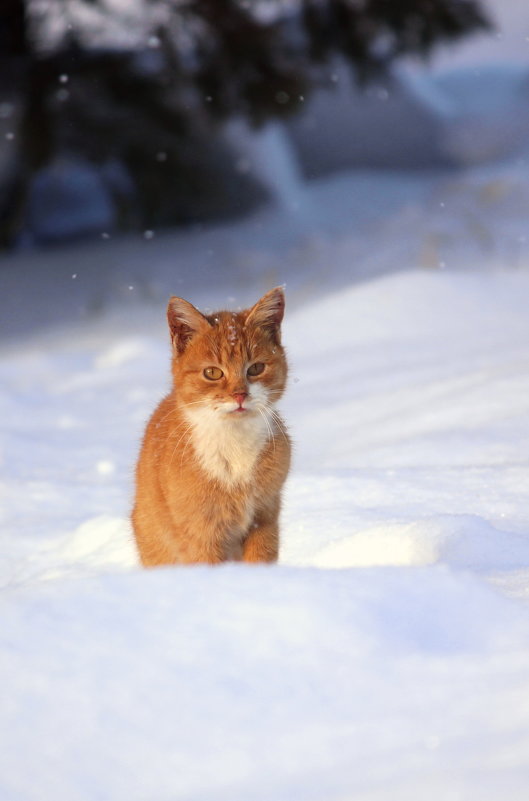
[[147, 142]]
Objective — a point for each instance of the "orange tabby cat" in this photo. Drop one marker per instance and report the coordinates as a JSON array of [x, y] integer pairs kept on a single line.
[[216, 453]]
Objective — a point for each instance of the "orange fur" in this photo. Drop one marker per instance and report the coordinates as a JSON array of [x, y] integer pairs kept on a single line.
[[215, 453]]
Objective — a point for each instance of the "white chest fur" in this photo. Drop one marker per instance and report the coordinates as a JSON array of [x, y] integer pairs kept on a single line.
[[227, 446]]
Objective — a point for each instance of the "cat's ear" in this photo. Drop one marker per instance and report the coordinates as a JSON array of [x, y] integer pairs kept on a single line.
[[268, 313], [184, 322]]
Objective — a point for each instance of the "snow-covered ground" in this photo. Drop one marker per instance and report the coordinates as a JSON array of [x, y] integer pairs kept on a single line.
[[386, 658]]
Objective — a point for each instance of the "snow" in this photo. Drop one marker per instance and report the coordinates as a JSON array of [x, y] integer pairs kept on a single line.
[[165, 685], [386, 657]]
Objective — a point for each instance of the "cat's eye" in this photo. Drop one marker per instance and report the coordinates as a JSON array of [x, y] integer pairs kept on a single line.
[[255, 369], [213, 373]]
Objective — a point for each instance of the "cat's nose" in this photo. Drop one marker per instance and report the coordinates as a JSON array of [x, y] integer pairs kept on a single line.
[[240, 397]]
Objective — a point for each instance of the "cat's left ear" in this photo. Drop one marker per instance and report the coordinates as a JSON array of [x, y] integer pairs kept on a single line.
[[184, 322], [268, 313]]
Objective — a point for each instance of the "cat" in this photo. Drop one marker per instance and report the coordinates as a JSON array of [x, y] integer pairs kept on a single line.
[[216, 453]]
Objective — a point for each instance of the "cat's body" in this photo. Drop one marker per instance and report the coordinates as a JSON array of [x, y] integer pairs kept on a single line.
[[216, 453]]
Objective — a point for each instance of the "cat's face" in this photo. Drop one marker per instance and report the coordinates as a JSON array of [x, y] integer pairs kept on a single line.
[[230, 364]]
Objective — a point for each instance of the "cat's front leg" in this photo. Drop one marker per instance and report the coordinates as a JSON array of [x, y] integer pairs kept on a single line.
[[202, 549], [170, 548], [261, 544]]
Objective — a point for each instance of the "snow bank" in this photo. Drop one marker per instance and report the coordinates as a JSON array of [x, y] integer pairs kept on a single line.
[[460, 540], [379, 660], [237, 683]]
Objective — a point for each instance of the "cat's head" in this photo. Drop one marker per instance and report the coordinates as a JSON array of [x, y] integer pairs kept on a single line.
[[230, 363]]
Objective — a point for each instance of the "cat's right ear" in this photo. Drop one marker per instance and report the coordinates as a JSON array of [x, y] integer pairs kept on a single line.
[[184, 322]]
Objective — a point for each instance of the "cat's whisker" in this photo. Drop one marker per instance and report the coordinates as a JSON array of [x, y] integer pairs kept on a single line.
[[192, 403], [184, 451], [186, 431], [175, 410], [279, 423], [169, 413], [176, 430], [275, 414], [262, 412]]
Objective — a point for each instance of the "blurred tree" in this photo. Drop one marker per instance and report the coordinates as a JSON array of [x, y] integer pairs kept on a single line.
[[139, 84]]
